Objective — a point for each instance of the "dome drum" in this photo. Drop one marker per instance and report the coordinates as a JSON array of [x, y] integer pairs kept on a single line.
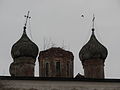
[[92, 56], [24, 53]]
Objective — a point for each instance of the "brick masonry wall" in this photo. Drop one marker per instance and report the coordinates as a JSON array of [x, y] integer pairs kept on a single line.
[[94, 68], [57, 85]]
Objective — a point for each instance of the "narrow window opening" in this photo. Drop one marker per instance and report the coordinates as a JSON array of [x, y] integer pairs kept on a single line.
[[68, 69], [47, 69], [58, 68]]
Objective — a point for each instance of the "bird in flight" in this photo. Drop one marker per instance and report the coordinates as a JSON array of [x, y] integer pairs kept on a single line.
[[82, 15]]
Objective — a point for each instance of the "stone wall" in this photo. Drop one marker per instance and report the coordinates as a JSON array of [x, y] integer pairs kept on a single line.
[[93, 68], [57, 85]]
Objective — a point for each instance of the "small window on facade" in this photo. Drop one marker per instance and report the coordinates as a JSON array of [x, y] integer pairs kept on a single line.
[[47, 69], [58, 68], [68, 69]]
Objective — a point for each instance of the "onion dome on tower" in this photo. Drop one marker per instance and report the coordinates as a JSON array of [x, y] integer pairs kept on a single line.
[[24, 53], [92, 56]]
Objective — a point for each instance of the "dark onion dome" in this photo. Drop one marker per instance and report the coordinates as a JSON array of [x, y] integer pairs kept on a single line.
[[24, 47], [93, 49], [56, 52]]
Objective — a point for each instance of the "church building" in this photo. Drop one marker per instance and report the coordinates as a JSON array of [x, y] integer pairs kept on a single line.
[[56, 67]]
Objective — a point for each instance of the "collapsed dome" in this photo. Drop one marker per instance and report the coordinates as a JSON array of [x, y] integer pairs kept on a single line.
[[24, 47], [56, 52], [93, 49]]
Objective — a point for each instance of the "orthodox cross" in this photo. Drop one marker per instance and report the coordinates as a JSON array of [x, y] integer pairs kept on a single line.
[[27, 17]]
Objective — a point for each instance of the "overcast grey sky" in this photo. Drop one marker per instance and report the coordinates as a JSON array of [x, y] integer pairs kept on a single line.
[[61, 21]]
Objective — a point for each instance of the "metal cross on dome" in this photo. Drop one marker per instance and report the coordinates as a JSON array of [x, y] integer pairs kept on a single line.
[[27, 17], [93, 20]]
